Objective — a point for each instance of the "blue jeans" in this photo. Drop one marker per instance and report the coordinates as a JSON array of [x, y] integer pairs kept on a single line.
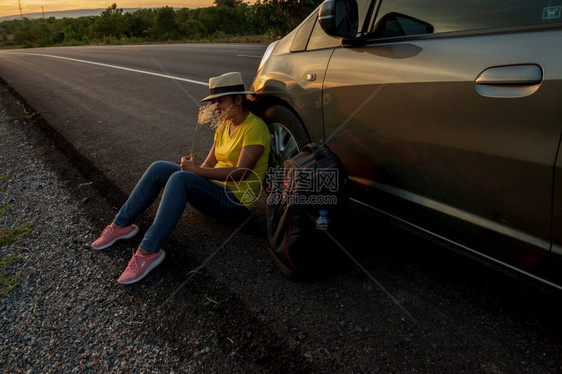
[[180, 188]]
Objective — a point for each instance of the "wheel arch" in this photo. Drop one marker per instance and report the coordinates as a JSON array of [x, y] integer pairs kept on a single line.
[[261, 103], [288, 131]]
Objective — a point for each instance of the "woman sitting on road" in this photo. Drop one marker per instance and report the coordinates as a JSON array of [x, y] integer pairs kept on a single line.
[[233, 171]]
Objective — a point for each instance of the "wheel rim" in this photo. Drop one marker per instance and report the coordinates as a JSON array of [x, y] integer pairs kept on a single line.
[[283, 144]]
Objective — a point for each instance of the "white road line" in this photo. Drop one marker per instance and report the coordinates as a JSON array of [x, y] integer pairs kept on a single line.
[[116, 67]]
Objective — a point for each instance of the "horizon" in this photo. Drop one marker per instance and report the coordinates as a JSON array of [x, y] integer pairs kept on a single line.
[[10, 8]]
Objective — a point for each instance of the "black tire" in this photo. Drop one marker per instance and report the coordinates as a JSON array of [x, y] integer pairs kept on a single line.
[[288, 135]]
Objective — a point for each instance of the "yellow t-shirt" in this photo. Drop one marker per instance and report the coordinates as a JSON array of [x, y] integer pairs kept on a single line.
[[253, 131]]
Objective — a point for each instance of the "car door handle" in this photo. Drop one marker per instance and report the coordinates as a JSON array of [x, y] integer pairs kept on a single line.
[[509, 81]]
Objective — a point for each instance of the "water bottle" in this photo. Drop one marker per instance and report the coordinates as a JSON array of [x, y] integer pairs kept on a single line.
[[322, 222]]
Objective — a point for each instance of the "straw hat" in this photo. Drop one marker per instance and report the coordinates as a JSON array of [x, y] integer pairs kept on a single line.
[[226, 84]]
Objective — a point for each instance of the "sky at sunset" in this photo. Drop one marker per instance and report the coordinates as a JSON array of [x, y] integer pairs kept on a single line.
[[11, 7]]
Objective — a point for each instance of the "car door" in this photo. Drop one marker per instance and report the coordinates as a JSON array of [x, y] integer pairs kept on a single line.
[[557, 221], [449, 120]]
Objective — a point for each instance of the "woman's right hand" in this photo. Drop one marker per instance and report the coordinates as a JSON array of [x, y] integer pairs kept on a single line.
[[188, 163]]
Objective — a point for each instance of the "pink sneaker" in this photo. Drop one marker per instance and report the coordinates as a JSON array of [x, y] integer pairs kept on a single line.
[[111, 235], [140, 265]]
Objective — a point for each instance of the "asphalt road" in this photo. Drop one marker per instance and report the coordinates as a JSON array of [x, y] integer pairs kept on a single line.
[[405, 305], [124, 107]]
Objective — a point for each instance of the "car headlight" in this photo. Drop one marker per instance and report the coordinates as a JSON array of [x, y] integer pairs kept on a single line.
[[267, 54]]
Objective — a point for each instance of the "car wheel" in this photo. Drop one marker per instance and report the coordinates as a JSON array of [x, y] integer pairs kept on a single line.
[[288, 135]]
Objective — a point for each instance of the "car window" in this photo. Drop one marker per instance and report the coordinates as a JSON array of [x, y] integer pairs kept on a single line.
[[319, 39], [303, 33], [364, 8], [414, 17], [310, 36]]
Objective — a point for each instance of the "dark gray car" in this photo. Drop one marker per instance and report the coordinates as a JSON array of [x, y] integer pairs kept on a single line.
[[447, 117]]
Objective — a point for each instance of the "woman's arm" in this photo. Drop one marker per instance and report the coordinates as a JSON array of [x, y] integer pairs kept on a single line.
[[249, 156], [211, 159]]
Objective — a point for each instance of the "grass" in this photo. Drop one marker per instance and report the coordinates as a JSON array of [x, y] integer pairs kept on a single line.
[[10, 268], [218, 38], [4, 209], [14, 234], [8, 276]]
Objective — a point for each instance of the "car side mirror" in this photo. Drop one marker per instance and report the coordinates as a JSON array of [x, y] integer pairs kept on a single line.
[[339, 18]]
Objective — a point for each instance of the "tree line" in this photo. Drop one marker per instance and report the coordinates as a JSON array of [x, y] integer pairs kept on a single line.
[[226, 18]]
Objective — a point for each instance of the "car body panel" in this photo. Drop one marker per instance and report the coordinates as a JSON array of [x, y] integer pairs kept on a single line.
[[557, 211], [408, 121], [456, 135], [287, 77]]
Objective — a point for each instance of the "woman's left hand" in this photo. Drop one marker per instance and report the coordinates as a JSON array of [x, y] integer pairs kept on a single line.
[[188, 163]]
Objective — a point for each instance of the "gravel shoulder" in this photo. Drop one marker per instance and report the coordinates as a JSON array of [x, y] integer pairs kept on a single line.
[[68, 314], [65, 315]]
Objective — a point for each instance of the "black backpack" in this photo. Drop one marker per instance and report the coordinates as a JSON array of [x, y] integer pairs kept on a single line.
[[307, 186]]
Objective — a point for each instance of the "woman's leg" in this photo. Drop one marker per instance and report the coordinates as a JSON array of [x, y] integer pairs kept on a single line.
[[145, 192], [207, 196]]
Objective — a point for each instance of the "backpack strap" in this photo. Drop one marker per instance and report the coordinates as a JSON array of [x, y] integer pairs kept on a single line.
[[318, 150]]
